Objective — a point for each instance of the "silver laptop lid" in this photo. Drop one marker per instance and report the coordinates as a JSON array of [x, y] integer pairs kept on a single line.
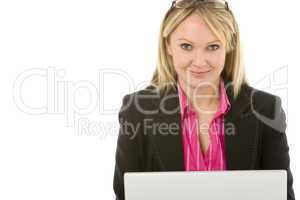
[[212, 185]]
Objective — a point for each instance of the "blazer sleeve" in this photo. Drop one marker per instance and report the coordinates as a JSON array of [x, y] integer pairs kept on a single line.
[[127, 157], [275, 149]]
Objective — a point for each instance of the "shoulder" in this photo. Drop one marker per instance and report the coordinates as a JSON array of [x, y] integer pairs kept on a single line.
[[261, 96], [263, 101], [266, 107], [140, 102]]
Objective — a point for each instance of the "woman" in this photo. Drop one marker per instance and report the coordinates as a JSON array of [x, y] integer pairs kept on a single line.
[[199, 113]]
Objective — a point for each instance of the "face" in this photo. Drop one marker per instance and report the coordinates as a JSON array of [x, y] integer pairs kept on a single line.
[[198, 55]]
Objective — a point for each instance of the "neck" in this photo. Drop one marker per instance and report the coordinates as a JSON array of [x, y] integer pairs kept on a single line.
[[204, 97]]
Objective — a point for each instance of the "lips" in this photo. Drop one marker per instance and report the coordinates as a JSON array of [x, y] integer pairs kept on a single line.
[[199, 72]]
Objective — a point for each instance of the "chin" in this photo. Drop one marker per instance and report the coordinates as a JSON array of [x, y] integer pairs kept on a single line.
[[198, 82]]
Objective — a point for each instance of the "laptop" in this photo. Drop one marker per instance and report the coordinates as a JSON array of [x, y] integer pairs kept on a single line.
[[212, 185]]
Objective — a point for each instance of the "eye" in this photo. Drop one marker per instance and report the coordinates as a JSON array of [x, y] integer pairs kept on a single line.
[[186, 46], [213, 47]]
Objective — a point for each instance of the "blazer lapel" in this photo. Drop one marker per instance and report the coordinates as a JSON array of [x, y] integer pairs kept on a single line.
[[240, 128], [168, 141]]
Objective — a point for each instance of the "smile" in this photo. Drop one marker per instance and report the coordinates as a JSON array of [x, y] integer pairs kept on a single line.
[[199, 73]]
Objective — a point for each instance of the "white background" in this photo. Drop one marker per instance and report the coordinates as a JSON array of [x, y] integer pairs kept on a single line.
[[47, 152]]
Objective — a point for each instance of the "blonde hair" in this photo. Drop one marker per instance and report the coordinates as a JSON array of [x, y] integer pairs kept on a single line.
[[223, 24]]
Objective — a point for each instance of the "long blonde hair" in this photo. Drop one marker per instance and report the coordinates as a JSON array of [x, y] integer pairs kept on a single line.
[[223, 24]]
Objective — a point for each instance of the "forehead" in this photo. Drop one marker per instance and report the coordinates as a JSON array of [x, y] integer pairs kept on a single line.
[[195, 30]]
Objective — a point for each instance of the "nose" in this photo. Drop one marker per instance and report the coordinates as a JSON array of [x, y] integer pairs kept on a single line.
[[200, 59]]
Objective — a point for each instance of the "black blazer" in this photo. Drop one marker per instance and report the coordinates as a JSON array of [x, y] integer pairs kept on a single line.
[[150, 134]]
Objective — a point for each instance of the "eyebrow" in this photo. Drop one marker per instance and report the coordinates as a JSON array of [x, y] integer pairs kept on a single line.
[[192, 42]]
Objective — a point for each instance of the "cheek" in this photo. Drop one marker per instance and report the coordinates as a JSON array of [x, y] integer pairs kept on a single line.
[[218, 61], [181, 66], [181, 62]]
